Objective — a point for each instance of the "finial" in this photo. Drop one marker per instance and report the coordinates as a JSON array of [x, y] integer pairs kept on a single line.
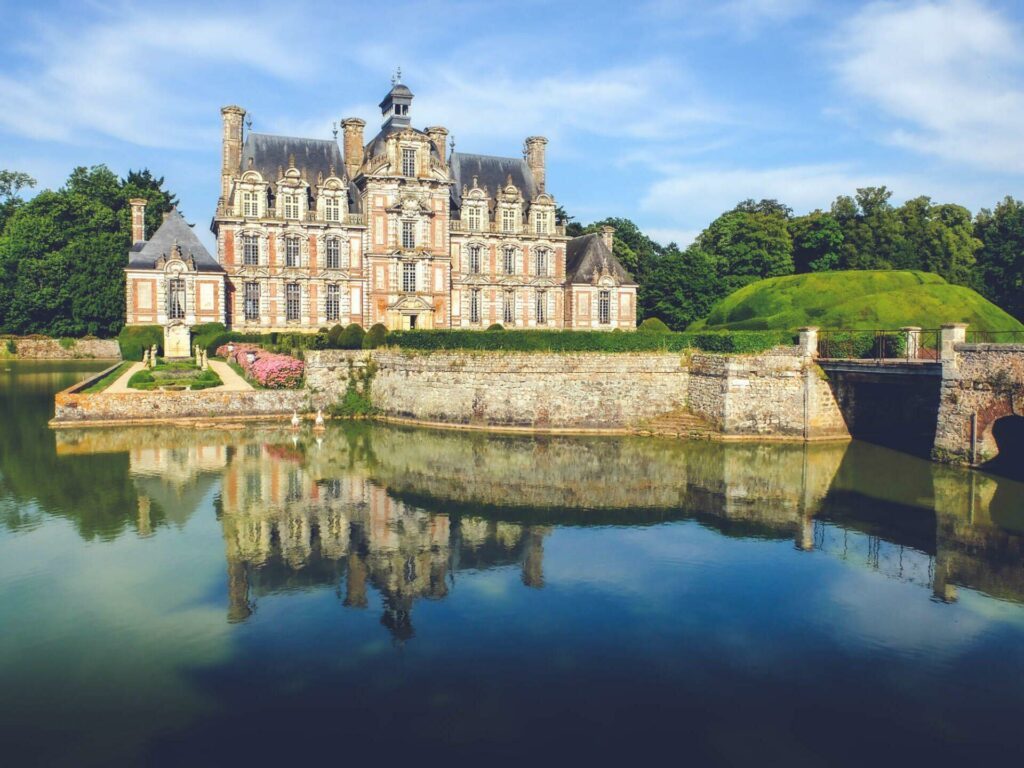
[[398, 76], [248, 121], [451, 143], [334, 130], [291, 160]]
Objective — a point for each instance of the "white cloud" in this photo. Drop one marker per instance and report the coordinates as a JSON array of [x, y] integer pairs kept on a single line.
[[950, 73]]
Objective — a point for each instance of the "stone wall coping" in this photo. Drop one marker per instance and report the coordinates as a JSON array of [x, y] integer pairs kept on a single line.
[[1007, 348]]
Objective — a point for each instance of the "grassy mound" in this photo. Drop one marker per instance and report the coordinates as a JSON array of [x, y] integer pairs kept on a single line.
[[856, 300]]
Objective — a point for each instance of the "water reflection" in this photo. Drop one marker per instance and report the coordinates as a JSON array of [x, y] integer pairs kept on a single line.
[[403, 511]]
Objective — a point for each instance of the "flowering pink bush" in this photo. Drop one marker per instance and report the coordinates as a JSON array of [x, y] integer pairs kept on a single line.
[[268, 369]]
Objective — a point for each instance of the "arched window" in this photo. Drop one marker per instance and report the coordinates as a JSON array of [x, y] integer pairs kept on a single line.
[[333, 253], [509, 260], [291, 252]]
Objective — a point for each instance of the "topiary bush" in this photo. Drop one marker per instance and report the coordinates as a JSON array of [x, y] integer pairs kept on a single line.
[[496, 327], [350, 338], [135, 339], [376, 337], [653, 325], [334, 336]]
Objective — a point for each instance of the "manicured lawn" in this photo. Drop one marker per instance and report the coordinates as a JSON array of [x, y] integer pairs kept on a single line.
[[107, 380], [178, 374]]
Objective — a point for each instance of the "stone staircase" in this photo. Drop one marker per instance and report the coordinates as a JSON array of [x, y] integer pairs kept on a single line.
[[678, 423]]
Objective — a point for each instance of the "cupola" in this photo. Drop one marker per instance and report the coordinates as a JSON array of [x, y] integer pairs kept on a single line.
[[395, 106]]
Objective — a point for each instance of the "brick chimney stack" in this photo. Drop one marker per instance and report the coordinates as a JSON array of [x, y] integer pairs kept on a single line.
[[439, 136], [232, 155], [533, 152], [608, 236], [138, 205], [353, 145]]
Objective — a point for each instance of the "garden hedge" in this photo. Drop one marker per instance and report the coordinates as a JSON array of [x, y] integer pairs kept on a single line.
[[135, 339]]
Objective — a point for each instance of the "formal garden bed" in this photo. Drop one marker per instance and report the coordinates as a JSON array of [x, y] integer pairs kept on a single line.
[[174, 376], [263, 368]]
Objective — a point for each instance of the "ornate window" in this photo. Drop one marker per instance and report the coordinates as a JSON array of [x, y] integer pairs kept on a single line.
[[291, 252], [291, 301], [252, 302], [250, 250], [473, 218], [604, 307], [332, 209], [542, 261], [408, 234], [409, 276], [408, 161], [250, 204], [176, 298], [508, 220], [474, 259], [333, 307], [509, 260], [291, 206], [542, 307], [541, 218], [508, 309], [333, 253], [474, 305]]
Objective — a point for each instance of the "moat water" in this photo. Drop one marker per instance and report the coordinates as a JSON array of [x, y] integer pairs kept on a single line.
[[211, 596]]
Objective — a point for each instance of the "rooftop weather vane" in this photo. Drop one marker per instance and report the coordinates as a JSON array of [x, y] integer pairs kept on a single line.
[[397, 77], [334, 130]]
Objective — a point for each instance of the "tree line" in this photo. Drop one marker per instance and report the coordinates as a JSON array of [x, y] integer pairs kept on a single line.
[[62, 253], [763, 239]]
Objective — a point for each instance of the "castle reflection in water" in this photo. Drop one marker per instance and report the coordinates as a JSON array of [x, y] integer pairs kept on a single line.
[[401, 512]]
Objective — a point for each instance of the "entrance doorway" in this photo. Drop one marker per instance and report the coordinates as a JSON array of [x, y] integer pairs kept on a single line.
[[412, 322]]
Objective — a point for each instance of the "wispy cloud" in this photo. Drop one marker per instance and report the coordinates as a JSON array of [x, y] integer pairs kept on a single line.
[[950, 73]]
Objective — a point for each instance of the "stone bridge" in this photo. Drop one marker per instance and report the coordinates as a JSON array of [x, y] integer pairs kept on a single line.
[[962, 404]]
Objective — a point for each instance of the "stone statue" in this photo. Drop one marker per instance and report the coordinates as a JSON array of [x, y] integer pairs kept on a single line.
[[145, 358], [203, 364]]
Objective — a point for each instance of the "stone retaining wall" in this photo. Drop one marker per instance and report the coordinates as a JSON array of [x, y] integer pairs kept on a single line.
[[38, 348]]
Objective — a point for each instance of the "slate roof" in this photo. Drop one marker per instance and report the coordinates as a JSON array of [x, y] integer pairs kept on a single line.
[[174, 230], [491, 172], [378, 142], [587, 256], [270, 153]]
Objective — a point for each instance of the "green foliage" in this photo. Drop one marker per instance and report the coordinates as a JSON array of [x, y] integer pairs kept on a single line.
[[865, 344], [182, 374], [63, 253], [350, 338], [855, 300], [141, 380], [356, 402], [136, 339], [592, 341], [750, 242], [682, 287], [496, 327], [376, 337], [66, 343], [334, 336], [817, 239], [652, 325], [999, 273], [11, 346], [106, 381]]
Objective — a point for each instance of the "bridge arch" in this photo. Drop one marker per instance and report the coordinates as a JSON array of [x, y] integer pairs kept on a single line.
[[1005, 437]]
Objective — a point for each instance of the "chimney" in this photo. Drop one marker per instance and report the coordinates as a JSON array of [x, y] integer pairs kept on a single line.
[[439, 136], [353, 140], [533, 152], [232, 155], [608, 236], [138, 205]]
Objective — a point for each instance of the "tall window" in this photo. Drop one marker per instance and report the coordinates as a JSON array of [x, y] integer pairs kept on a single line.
[[473, 218], [542, 307], [409, 276], [333, 253], [542, 262], [176, 298], [291, 206], [250, 250], [333, 307], [474, 305], [250, 204], [509, 260], [508, 220], [542, 222], [408, 234], [474, 259], [408, 162], [291, 301], [604, 307], [291, 252], [332, 209], [252, 302], [508, 309]]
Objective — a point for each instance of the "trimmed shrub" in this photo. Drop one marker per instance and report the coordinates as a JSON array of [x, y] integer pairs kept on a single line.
[[66, 343], [135, 339], [376, 337], [653, 325], [334, 336], [351, 337], [496, 327]]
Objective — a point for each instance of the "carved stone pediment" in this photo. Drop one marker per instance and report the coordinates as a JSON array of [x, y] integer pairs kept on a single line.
[[411, 304]]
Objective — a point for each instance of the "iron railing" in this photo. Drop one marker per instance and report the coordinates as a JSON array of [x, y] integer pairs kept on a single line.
[[995, 337], [893, 345]]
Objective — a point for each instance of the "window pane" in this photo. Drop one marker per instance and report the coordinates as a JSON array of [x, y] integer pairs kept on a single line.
[[291, 307], [176, 299], [604, 302], [252, 301], [408, 276], [333, 302], [408, 234]]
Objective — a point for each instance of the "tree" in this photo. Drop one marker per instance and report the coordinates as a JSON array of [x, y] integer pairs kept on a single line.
[[572, 227], [999, 270], [11, 183], [871, 229], [817, 240], [937, 238], [683, 286], [749, 245]]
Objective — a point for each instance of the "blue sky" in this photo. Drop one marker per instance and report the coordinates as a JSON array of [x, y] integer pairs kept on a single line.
[[664, 112]]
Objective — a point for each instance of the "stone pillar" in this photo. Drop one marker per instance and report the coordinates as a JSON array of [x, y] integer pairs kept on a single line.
[[952, 334], [912, 339], [138, 205], [533, 152], [809, 341], [352, 128], [231, 160]]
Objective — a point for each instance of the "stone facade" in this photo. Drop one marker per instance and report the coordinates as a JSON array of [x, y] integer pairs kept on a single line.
[[39, 348]]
